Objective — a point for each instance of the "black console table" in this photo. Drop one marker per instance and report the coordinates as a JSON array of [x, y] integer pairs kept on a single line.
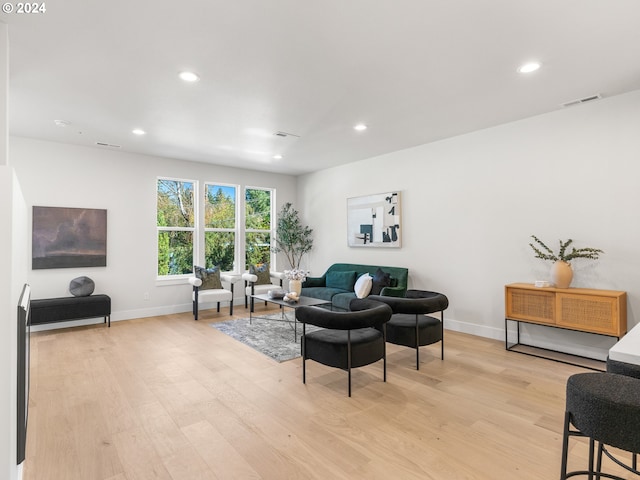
[[52, 310]]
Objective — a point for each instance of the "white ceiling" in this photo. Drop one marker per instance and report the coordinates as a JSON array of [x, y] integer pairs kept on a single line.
[[414, 71]]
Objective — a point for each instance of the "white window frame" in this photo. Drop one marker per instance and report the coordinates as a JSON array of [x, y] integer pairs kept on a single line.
[[198, 230], [194, 229], [236, 229], [271, 230]]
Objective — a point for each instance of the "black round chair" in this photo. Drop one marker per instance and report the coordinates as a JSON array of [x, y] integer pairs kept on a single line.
[[346, 340], [410, 326], [605, 407]]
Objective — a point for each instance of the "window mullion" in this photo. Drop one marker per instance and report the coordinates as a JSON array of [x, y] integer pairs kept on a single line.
[[241, 241]]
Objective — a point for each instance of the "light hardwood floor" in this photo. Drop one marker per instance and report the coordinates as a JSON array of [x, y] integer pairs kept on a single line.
[[171, 398]]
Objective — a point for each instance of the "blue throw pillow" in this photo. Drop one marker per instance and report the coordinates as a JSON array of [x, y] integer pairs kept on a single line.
[[342, 280]]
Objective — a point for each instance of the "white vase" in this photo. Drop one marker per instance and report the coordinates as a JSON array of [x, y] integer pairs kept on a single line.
[[295, 286], [561, 274]]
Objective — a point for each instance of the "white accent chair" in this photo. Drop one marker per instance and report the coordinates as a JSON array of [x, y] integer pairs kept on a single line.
[[250, 287], [212, 294]]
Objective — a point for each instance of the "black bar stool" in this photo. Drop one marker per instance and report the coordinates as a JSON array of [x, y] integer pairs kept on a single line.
[[604, 407]]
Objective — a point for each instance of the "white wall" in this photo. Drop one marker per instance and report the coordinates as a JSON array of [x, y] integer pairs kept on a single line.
[[470, 204], [14, 266], [60, 175], [4, 93]]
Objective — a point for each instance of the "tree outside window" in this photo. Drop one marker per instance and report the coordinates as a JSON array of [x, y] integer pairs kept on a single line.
[[176, 226], [181, 228], [257, 226], [220, 226]]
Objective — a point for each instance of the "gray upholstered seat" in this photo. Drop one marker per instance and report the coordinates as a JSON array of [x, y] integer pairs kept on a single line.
[[605, 407], [410, 326], [346, 340], [623, 368]]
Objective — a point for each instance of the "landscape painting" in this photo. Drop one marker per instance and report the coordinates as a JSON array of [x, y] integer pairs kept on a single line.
[[68, 237], [374, 220]]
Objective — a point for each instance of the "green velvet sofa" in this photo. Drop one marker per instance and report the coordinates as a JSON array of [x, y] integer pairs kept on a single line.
[[337, 283]]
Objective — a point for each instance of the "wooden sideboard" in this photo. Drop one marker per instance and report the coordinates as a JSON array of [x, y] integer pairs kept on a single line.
[[602, 312]]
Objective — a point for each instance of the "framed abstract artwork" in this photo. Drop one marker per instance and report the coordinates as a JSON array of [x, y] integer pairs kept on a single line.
[[374, 220], [68, 238]]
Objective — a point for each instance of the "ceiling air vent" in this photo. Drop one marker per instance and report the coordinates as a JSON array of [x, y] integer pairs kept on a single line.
[[591, 98], [110, 145], [285, 134]]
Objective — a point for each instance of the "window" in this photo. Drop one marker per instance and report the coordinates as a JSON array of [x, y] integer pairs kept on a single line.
[[220, 226], [176, 226], [221, 235], [258, 203]]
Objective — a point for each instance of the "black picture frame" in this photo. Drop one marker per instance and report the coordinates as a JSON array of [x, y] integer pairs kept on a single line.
[[64, 237]]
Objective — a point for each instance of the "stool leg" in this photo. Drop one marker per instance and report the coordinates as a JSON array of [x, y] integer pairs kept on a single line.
[[349, 358], [591, 445], [565, 446], [417, 344], [304, 354], [599, 464], [384, 349], [442, 335]]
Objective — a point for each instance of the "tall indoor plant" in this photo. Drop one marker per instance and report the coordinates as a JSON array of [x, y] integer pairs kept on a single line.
[[561, 272], [294, 240]]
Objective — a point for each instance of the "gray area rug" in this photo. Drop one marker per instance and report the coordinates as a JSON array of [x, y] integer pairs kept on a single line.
[[271, 336]]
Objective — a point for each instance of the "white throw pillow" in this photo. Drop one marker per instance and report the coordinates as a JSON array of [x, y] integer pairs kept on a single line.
[[363, 285]]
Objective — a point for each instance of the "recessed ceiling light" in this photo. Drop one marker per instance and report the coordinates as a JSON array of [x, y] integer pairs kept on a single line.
[[189, 76], [61, 123], [360, 127], [138, 131], [529, 67], [277, 157]]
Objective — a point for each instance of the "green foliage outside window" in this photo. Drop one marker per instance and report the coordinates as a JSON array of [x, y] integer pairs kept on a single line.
[[177, 226], [258, 248], [175, 252], [175, 204], [258, 209], [220, 250], [175, 210], [257, 217], [220, 213], [220, 207]]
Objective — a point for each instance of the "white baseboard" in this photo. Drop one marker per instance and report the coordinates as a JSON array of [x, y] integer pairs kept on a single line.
[[150, 312], [474, 329], [566, 341]]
